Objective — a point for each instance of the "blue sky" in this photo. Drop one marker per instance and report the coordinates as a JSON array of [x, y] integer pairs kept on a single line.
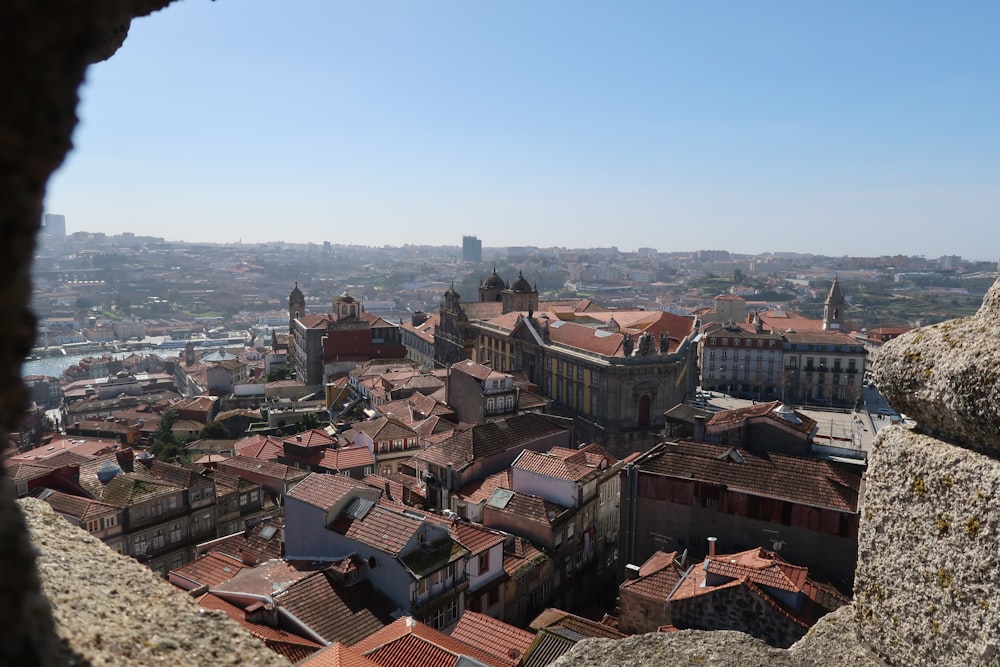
[[847, 128]]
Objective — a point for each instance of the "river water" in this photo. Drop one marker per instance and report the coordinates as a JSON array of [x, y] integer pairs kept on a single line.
[[54, 366]]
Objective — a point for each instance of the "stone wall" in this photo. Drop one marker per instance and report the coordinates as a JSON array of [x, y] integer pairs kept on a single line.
[[736, 607]]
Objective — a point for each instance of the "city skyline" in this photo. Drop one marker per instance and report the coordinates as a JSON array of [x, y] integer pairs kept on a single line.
[[751, 128]]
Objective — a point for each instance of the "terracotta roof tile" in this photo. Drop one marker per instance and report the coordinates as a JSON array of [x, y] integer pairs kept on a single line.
[[280, 641], [410, 643], [501, 640], [481, 490], [211, 570], [337, 655], [324, 491], [337, 613], [800, 480]]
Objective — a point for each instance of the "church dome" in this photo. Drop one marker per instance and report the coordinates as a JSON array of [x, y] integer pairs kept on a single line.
[[521, 285], [494, 281]]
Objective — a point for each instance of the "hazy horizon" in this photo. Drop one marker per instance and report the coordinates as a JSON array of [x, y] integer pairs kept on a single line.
[[748, 127]]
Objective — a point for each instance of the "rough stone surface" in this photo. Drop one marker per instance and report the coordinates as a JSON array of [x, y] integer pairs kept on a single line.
[[929, 566], [945, 377], [832, 641], [111, 610], [45, 46]]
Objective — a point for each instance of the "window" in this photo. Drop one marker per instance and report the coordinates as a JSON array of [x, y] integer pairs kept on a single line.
[[749, 343], [711, 341], [489, 405], [484, 562], [421, 587], [93, 526], [175, 533], [725, 342], [158, 539], [254, 495], [368, 470], [453, 611], [244, 499], [172, 502], [760, 343], [110, 521], [510, 402]]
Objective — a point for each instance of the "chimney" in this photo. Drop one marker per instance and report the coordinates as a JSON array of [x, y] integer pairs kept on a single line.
[[631, 571], [711, 546], [699, 429], [388, 493]]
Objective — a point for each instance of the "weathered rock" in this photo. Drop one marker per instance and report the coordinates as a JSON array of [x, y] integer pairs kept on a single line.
[[110, 609], [832, 641], [928, 563], [945, 376]]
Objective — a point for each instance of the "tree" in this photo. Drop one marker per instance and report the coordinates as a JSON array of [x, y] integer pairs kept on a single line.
[[214, 431]]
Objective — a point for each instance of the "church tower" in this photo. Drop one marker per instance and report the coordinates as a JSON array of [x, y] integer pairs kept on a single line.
[[296, 307], [833, 308]]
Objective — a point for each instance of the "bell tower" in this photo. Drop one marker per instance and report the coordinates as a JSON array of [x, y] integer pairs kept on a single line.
[[296, 307], [833, 308]]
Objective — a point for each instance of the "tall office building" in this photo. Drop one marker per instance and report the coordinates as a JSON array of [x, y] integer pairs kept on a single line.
[[54, 225], [472, 249]]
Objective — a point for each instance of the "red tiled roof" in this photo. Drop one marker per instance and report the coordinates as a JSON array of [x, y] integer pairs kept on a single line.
[[658, 576], [280, 641], [481, 490], [337, 655], [760, 411], [380, 528], [324, 491], [311, 438], [211, 569], [557, 618], [483, 440], [410, 643], [800, 480], [555, 466], [334, 612], [501, 640], [258, 447], [473, 537]]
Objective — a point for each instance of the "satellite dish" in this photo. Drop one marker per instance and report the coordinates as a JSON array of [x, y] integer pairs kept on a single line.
[[777, 544]]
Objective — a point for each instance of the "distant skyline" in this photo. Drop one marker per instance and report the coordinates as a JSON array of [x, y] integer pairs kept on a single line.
[[860, 129]]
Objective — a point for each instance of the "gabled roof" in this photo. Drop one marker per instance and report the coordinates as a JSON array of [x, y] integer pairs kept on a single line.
[[759, 412], [410, 643], [334, 612], [262, 467], [473, 537], [501, 640], [549, 465], [552, 619], [481, 490], [210, 570], [484, 440], [82, 509], [525, 506], [324, 491], [801, 480], [311, 438], [262, 543], [658, 577], [291, 646], [381, 527], [337, 655], [259, 447], [384, 429]]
